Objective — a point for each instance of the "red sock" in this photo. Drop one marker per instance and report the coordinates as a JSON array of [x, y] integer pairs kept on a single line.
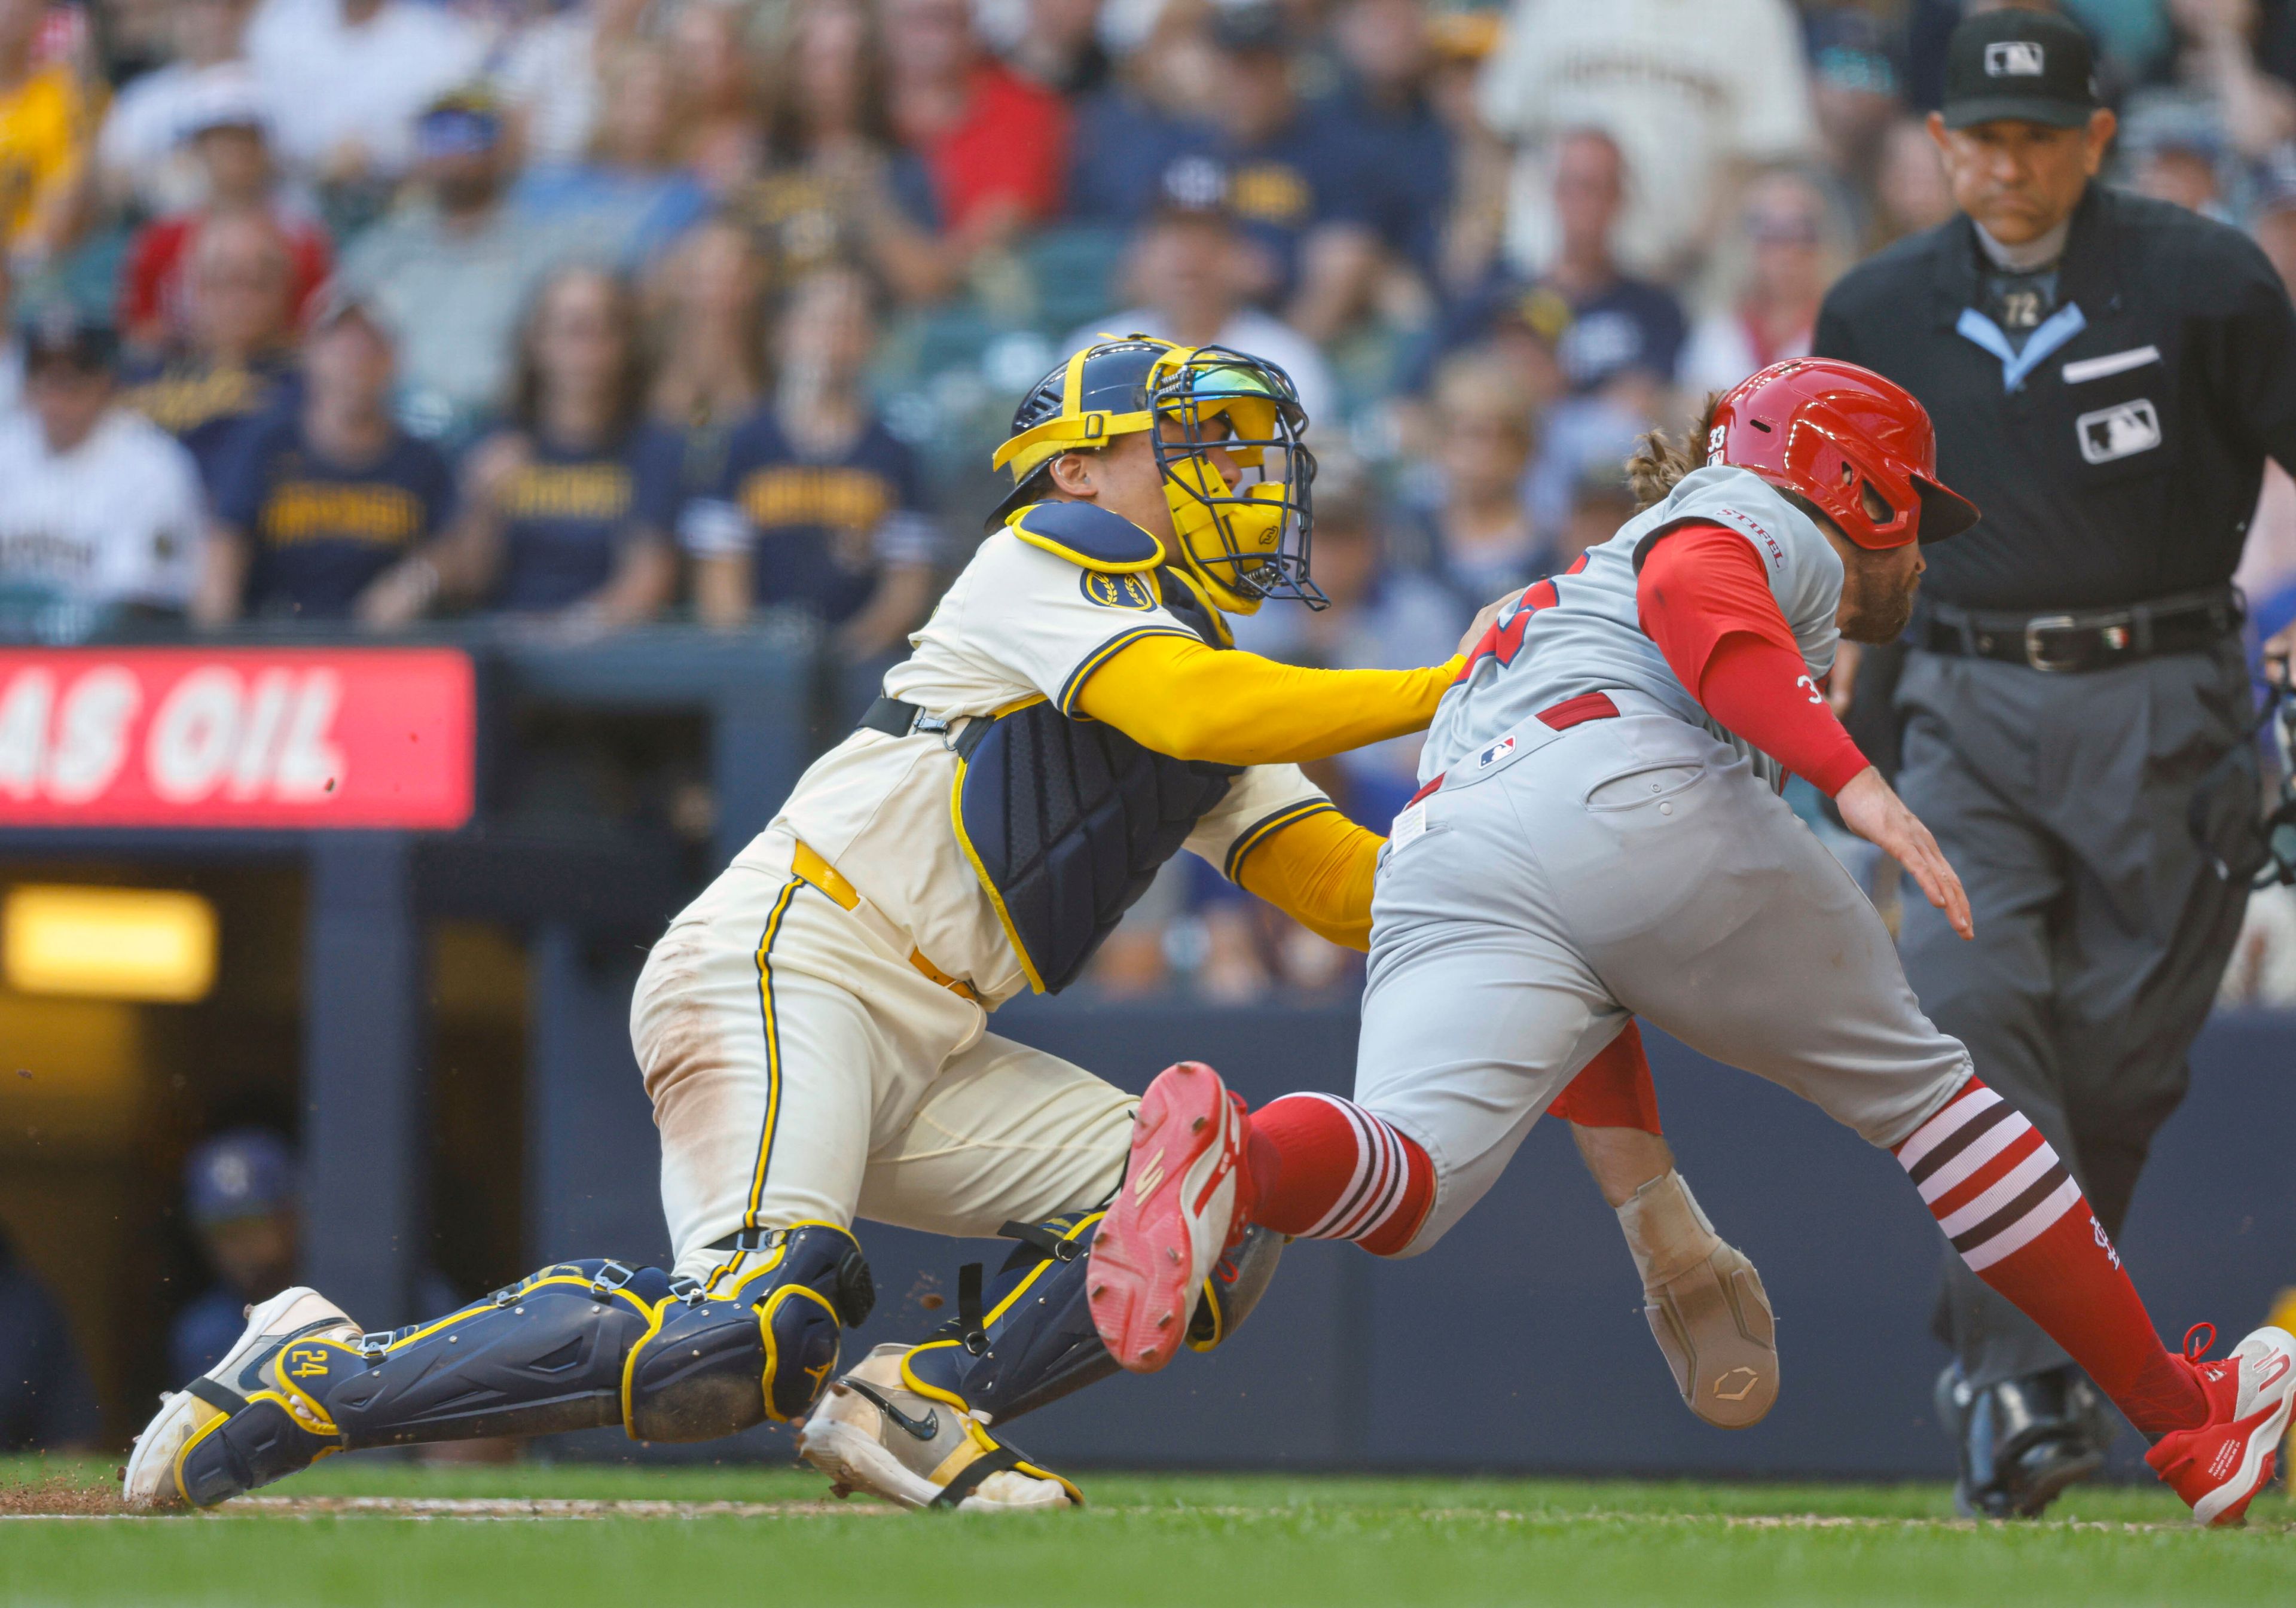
[[1612, 1090], [2022, 1224], [1326, 1168]]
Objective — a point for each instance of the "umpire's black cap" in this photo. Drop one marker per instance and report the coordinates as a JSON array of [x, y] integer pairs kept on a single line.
[[2018, 65]]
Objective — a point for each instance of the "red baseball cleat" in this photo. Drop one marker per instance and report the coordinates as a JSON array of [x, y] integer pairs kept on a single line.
[[2220, 1465], [1171, 1218]]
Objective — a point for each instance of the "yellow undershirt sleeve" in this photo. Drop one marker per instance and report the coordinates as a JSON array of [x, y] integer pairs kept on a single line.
[[1179, 697], [1317, 870]]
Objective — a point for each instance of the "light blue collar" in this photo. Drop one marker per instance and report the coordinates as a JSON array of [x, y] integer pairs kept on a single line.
[[2054, 330]]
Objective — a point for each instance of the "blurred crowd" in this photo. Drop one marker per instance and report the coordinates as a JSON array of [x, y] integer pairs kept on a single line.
[[590, 312]]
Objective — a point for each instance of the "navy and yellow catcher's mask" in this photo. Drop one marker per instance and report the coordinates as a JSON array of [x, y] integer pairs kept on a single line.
[[1244, 543]]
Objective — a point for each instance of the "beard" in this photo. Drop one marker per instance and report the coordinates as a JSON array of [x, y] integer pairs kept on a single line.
[[1880, 606]]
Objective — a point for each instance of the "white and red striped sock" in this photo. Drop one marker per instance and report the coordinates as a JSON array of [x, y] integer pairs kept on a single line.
[[2013, 1211], [1326, 1168]]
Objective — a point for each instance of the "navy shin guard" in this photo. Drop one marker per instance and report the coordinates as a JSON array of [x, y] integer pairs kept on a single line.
[[578, 1345], [1239, 1279], [540, 1356], [1025, 1337], [586, 1345]]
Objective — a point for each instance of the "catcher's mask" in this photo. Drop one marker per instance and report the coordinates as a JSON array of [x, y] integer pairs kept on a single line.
[[1244, 543]]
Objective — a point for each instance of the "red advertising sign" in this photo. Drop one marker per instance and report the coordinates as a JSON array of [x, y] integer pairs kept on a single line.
[[279, 737]]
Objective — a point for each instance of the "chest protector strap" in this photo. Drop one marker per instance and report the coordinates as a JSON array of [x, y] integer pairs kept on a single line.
[[1067, 822]]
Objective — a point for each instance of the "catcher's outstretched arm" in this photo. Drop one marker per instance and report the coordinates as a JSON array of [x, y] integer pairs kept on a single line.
[[1181, 698], [1317, 870]]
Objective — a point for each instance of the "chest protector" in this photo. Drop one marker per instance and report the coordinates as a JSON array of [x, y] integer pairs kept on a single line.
[[1066, 821]]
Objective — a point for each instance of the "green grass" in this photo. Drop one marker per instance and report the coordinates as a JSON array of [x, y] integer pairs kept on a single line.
[[1188, 1541]]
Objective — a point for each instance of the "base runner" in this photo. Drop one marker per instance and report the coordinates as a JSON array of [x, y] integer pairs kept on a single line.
[[813, 1030], [1600, 836]]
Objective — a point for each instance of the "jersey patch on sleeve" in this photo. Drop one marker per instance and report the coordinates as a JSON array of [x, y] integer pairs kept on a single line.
[[1117, 591], [1754, 527]]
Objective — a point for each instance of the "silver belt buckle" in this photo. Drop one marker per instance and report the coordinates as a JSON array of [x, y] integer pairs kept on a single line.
[[2034, 629]]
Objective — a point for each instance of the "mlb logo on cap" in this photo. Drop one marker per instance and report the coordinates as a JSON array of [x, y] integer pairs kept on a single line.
[[2014, 59], [2020, 66]]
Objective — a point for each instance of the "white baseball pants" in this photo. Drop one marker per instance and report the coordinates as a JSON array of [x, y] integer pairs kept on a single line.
[[802, 1070]]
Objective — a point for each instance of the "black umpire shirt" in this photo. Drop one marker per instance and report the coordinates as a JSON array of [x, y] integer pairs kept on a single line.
[[2109, 415]]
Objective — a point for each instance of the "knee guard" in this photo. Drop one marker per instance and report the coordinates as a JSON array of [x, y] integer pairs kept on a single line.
[[1027, 1338], [759, 1341], [543, 1355]]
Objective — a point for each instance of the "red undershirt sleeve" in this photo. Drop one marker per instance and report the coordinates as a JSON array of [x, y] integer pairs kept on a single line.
[[1707, 604]]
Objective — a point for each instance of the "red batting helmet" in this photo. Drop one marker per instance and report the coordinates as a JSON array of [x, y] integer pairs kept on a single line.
[[1831, 431]]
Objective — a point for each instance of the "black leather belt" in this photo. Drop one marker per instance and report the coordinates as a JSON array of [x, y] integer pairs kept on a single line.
[[2084, 639]]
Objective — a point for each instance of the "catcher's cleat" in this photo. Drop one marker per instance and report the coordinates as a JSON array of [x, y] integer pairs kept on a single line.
[[913, 1424], [1705, 1305], [255, 1416], [1173, 1215], [871, 1433], [2220, 1465]]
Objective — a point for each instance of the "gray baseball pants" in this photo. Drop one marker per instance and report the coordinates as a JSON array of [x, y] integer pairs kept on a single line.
[[1628, 866]]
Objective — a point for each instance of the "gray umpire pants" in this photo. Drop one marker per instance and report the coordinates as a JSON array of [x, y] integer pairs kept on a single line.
[[2103, 926]]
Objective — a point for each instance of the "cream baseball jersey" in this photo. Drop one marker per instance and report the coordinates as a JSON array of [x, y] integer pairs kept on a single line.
[[1021, 622], [1581, 632]]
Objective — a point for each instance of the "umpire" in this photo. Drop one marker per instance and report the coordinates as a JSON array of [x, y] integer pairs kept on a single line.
[[2107, 374]]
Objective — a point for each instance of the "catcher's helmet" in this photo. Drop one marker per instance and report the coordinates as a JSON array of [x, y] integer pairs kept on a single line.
[[1244, 543], [1848, 440]]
